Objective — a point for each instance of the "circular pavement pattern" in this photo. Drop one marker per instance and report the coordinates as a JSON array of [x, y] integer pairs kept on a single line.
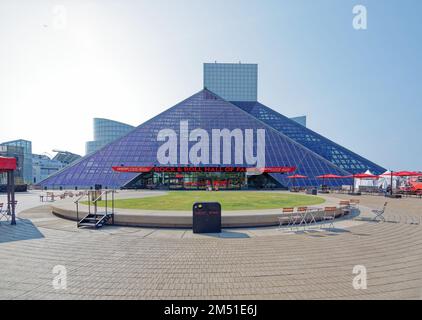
[[130, 263]]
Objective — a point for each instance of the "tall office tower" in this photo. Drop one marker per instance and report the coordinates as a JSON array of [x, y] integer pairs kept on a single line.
[[232, 81], [106, 131]]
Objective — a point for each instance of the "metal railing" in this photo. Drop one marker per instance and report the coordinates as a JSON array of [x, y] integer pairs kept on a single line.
[[93, 198], [85, 193]]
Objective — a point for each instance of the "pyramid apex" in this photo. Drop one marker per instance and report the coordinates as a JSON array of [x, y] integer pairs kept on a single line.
[[209, 95]]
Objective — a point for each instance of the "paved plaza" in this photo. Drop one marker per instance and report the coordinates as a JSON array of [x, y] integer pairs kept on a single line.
[[256, 263]]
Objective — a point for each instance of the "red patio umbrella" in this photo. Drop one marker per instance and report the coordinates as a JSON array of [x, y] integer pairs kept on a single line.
[[329, 176], [407, 174], [296, 176], [363, 176], [8, 166], [402, 174]]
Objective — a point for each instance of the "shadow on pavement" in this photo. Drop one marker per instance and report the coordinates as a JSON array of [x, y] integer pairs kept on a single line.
[[23, 230], [228, 234], [335, 231], [323, 232]]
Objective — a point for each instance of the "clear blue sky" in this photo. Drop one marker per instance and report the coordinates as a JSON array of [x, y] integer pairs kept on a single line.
[[130, 60]]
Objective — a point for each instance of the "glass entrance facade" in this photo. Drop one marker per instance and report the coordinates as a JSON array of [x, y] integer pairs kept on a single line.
[[203, 181], [189, 181]]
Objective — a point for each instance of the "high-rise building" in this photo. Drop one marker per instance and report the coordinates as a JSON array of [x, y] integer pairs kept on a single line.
[[106, 131], [33, 168], [43, 167], [66, 157], [27, 157], [232, 82]]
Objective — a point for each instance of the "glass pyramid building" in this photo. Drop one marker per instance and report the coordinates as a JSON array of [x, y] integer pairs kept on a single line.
[[287, 145], [336, 154]]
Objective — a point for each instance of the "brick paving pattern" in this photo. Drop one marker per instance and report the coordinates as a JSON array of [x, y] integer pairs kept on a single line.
[[132, 263]]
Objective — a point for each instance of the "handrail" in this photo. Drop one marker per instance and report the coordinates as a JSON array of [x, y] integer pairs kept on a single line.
[[80, 198], [102, 194], [98, 198], [94, 202]]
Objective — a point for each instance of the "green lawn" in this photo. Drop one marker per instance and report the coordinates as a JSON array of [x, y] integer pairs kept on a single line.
[[183, 200]]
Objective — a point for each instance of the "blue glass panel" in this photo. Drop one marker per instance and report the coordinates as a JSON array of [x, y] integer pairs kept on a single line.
[[338, 155]]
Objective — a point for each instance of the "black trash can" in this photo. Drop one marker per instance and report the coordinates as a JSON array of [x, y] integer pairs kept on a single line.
[[312, 191], [206, 217]]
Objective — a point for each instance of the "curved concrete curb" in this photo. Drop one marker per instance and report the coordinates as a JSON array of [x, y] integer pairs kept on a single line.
[[162, 219]]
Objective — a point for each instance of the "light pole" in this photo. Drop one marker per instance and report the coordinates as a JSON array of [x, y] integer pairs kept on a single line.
[[391, 183]]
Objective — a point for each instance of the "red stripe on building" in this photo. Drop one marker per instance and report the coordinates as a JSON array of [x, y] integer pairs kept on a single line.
[[135, 169]]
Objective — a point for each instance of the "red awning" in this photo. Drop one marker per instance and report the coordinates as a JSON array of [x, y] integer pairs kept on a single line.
[[7, 164], [136, 169]]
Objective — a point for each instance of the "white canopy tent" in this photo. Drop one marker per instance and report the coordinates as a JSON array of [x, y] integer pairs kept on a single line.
[[385, 180], [365, 182]]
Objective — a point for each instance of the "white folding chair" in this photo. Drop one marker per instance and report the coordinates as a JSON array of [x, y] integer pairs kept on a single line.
[[354, 204], [345, 207], [3, 213], [283, 219], [305, 213], [379, 213], [287, 216], [329, 216], [296, 220]]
